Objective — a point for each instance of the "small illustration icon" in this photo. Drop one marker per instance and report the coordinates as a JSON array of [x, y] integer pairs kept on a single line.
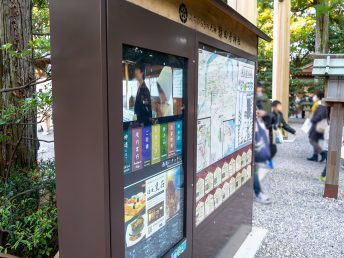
[[183, 13]]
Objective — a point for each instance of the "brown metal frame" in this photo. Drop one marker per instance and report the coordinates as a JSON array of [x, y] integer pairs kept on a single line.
[[80, 120], [158, 34], [90, 187]]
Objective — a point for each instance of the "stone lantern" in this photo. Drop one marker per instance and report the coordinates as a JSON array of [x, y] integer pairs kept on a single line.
[[331, 67]]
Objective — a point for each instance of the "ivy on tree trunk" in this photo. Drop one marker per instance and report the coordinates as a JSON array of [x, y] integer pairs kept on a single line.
[[19, 148]]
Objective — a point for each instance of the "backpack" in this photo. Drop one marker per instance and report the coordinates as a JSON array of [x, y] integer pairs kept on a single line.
[[262, 145]]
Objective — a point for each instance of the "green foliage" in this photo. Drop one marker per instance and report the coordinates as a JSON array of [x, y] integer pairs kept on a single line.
[[8, 48], [265, 74], [28, 212], [40, 102], [336, 11], [40, 28], [301, 87], [302, 39], [41, 4], [301, 5], [337, 27], [40, 46], [27, 198]]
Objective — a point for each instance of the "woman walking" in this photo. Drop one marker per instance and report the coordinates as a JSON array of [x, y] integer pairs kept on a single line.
[[319, 124]]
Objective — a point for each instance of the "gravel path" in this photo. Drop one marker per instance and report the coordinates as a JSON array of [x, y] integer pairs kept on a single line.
[[300, 221]]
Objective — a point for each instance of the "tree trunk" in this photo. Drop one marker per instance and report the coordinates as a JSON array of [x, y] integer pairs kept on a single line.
[[322, 27], [16, 29]]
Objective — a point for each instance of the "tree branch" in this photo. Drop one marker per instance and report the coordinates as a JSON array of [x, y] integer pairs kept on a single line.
[[40, 34], [33, 83], [295, 10], [40, 140], [8, 256], [42, 57], [37, 188], [304, 8]]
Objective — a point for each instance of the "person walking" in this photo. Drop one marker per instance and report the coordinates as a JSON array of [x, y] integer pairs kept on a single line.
[[264, 104], [319, 124], [278, 122], [316, 100], [262, 155], [298, 108]]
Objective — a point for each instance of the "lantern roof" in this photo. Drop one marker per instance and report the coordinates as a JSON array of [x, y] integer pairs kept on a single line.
[[326, 65]]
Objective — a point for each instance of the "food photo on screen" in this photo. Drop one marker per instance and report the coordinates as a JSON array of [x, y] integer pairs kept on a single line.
[[135, 231], [134, 212], [173, 188]]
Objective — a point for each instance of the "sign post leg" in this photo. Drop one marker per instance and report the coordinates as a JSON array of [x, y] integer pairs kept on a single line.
[[334, 151]]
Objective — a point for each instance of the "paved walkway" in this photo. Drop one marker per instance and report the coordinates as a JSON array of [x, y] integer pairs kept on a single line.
[[300, 221], [46, 147]]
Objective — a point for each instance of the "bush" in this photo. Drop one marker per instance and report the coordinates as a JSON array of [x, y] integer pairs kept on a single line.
[[28, 215]]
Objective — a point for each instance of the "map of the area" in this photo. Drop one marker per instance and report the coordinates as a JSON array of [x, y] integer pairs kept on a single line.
[[203, 143], [225, 100], [217, 85], [228, 137], [244, 109]]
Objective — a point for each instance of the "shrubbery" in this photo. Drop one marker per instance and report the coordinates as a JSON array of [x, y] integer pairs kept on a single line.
[[28, 215]]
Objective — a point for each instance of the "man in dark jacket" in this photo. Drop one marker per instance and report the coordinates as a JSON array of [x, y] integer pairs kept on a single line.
[[263, 103], [143, 103]]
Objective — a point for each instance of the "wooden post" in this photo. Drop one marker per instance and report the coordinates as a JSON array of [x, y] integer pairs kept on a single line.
[[334, 150], [280, 77], [247, 8]]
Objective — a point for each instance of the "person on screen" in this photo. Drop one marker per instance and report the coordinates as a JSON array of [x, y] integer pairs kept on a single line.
[[163, 107], [164, 86], [143, 103], [131, 103]]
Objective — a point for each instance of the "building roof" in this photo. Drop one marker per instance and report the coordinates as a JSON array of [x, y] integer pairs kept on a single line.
[[306, 71]]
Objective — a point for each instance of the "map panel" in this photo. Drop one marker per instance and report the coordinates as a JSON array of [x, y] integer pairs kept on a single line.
[[224, 128]]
